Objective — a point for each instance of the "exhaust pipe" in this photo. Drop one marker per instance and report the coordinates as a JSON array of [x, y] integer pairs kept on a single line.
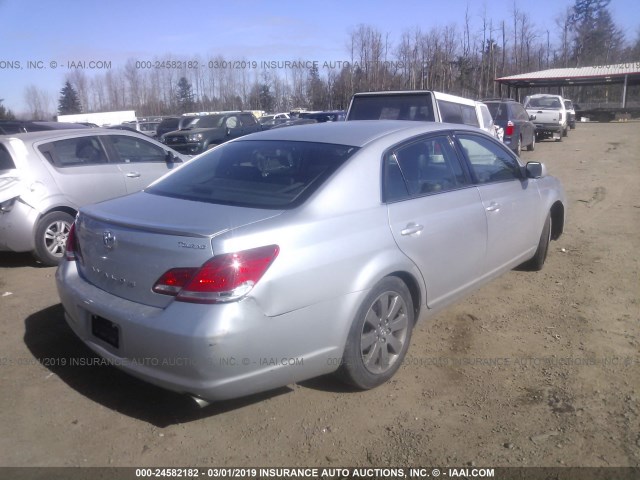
[[200, 402]]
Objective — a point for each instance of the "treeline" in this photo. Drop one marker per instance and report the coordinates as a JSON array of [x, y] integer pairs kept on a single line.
[[462, 59]]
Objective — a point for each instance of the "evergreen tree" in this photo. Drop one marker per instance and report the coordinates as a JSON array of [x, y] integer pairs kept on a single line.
[[185, 96], [69, 102], [597, 39], [5, 113], [316, 89]]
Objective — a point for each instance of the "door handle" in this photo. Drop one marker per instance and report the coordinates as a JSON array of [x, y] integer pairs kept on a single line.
[[411, 229], [133, 174], [493, 207]]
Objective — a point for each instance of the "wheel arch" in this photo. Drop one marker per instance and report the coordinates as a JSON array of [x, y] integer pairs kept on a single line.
[[60, 208], [414, 290], [557, 220]]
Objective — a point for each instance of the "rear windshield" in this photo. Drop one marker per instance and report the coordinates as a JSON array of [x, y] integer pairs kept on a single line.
[[498, 110], [544, 103], [169, 123], [256, 174], [211, 121], [392, 107]]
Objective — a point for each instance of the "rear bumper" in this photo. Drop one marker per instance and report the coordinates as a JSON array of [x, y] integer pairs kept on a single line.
[[548, 127], [213, 352]]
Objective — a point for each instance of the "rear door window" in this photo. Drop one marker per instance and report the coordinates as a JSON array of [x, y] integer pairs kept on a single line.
[[74, 152], [423, 167], [136, 150]]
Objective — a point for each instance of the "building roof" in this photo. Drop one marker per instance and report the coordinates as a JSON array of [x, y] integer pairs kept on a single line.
[[593, 75]]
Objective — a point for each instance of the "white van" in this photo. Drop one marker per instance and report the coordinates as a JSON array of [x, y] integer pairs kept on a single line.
[[420, 105]]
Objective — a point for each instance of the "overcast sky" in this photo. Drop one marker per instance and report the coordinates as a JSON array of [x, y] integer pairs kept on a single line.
[[52, 33]]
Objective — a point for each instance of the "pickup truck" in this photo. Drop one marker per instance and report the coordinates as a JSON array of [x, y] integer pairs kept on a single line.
[[212, 130], [421, 105], [550, 116]]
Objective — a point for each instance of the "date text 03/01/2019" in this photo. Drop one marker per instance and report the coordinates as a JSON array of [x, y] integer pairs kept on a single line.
[[221, 64]]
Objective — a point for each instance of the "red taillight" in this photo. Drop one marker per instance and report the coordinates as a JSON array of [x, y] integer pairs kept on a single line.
[[171, 282], [509, 130], [71, 245], [224, 278]]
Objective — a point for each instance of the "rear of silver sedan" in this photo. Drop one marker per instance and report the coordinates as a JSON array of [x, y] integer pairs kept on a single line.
[[297, 252], [218, 300]]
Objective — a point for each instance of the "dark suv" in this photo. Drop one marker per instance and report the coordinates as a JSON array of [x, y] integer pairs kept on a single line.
[[170, 124], [519, 130], [212, 130]]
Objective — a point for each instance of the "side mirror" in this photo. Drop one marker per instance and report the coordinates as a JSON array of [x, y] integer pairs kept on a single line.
[[532, 117], [534, 169], [170, 159]]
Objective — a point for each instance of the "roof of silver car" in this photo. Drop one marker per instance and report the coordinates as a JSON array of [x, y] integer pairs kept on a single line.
[[68, 133], [356, 133]]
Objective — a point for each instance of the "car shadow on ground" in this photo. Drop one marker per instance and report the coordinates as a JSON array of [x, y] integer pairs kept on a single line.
[[15, 260], [53, 343], [329, 383]]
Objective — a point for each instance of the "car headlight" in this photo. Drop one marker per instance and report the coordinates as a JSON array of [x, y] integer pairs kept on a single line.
[[194, 137]]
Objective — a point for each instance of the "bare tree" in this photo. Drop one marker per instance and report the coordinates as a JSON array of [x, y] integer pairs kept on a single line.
[[39, 102]]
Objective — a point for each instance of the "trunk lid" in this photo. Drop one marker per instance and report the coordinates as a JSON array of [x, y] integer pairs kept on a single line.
[[126, 244]]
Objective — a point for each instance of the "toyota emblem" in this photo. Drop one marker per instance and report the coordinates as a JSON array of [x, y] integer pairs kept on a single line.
[[109, 239]]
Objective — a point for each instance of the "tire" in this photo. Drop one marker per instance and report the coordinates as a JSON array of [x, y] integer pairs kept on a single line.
[[532, 146], [536, 263], [51, 237], [565, 132], [379, 336]]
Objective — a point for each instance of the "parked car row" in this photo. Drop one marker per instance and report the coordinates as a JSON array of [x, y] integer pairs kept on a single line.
[[542, 116], [549, 114], [519, 130], [516, 125], [421, 105]]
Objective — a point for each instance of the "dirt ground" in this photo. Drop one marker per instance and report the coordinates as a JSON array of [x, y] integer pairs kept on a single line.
[[535, 369]]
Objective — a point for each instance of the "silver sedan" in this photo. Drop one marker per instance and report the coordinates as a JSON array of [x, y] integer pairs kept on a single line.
[[302, 251]]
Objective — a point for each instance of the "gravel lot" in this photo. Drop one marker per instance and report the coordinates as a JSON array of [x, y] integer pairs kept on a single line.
[[535, 369]]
